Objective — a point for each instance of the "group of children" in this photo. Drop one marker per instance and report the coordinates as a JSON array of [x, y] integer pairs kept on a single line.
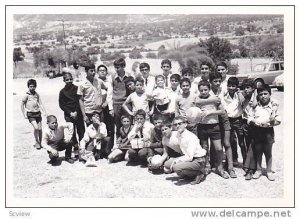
[[170, 122]]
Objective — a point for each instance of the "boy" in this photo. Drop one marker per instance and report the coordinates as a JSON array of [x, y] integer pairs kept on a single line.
[[122, 143], [58, 138], [140, 137], [149, 80], [95, 139], [209, 127], [262, 120], [166, 67], [185, 101], [215, 79], [192, 162], [90, 94], [160, 95], [31, 106], [171, 148], [120, 92], [173, 92], [129, 85], [69, 103], [138, 99], [108, 111], [232, 101], [188, 73]]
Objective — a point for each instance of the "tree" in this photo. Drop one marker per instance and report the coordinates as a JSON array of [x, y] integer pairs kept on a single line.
[[218, 49], [135, 54], [151, 55], [18, 55]]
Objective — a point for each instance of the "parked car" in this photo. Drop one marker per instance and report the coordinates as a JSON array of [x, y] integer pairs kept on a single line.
[[265, 73], [279, 82]]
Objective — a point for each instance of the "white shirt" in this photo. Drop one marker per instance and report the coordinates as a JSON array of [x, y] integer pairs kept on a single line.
[[233, 106], [149, 84], [172, 142], [144, 132], [52, 137], [190, 146], [109, 92], [138, 102], [172, 96], [91, 133]]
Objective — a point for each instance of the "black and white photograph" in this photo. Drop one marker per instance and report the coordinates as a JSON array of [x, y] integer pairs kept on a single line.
[[150, 106]]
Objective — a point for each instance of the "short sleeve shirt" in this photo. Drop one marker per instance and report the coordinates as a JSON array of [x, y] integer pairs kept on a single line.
[[32, 102]]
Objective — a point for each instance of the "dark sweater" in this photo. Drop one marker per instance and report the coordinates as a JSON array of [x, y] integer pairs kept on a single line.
[[69, 100]]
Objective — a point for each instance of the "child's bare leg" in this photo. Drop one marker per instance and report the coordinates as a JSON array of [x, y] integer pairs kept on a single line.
[[228, 149], [40, 131], [115, 155], [36, 133]]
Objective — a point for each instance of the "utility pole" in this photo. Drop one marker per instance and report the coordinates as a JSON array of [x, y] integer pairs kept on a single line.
[[63, 25]]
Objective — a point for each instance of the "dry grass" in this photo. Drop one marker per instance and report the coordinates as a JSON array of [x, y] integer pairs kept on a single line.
[[33, 177]]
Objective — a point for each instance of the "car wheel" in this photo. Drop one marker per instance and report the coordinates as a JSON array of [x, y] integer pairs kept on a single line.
[[259, 81]]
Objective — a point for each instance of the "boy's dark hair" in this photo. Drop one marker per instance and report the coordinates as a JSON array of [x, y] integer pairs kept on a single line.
[[223, 64], [159, 76], [187, 70], [166, 61], [75, 65], [140, 79], [158, 117], [144, 65], [179, 118], [264, 87], [185, 80], [204, 83], [175, 76], [126, 116], [65, 75], [120, 62], [103, 66], [206, 63], [31, 82], [214, 75], [128, 79], [248, 83], [233, 81], [89, 66], [141, 113], [50, 117], [167, 123]]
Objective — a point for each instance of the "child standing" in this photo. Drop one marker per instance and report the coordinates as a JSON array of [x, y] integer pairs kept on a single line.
[[160, 96], [122, 143], [166, 67], [262, 120], [138, 99], [232, 101], [173, 92], [209, 127], [31, 107], [69, 103]]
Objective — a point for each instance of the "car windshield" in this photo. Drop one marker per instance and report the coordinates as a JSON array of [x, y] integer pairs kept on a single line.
[[260, 67]]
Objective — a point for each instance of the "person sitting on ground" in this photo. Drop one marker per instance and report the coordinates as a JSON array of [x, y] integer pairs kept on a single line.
[[58, 138], [139, 138], [95, 140], [119, 151]]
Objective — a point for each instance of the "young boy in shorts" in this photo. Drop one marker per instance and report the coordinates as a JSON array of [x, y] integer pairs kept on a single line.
[[209, 127], [173, 92], [31, 107], [232, 101], [58, 138], [262, 120]]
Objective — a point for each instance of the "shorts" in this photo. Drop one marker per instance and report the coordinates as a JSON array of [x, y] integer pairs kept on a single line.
[[211, 131], [34, 116], [237, 125]]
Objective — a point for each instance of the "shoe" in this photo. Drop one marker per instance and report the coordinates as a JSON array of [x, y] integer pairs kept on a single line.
[[52, 161], [98, 155], [207, 171], [271, 176], [257, 174], [37, 146], [249, 175], [69, 160], [223, 174], [198, 179], [232, 174]]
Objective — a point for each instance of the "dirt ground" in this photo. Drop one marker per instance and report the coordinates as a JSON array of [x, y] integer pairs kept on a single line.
[[33, 177]]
